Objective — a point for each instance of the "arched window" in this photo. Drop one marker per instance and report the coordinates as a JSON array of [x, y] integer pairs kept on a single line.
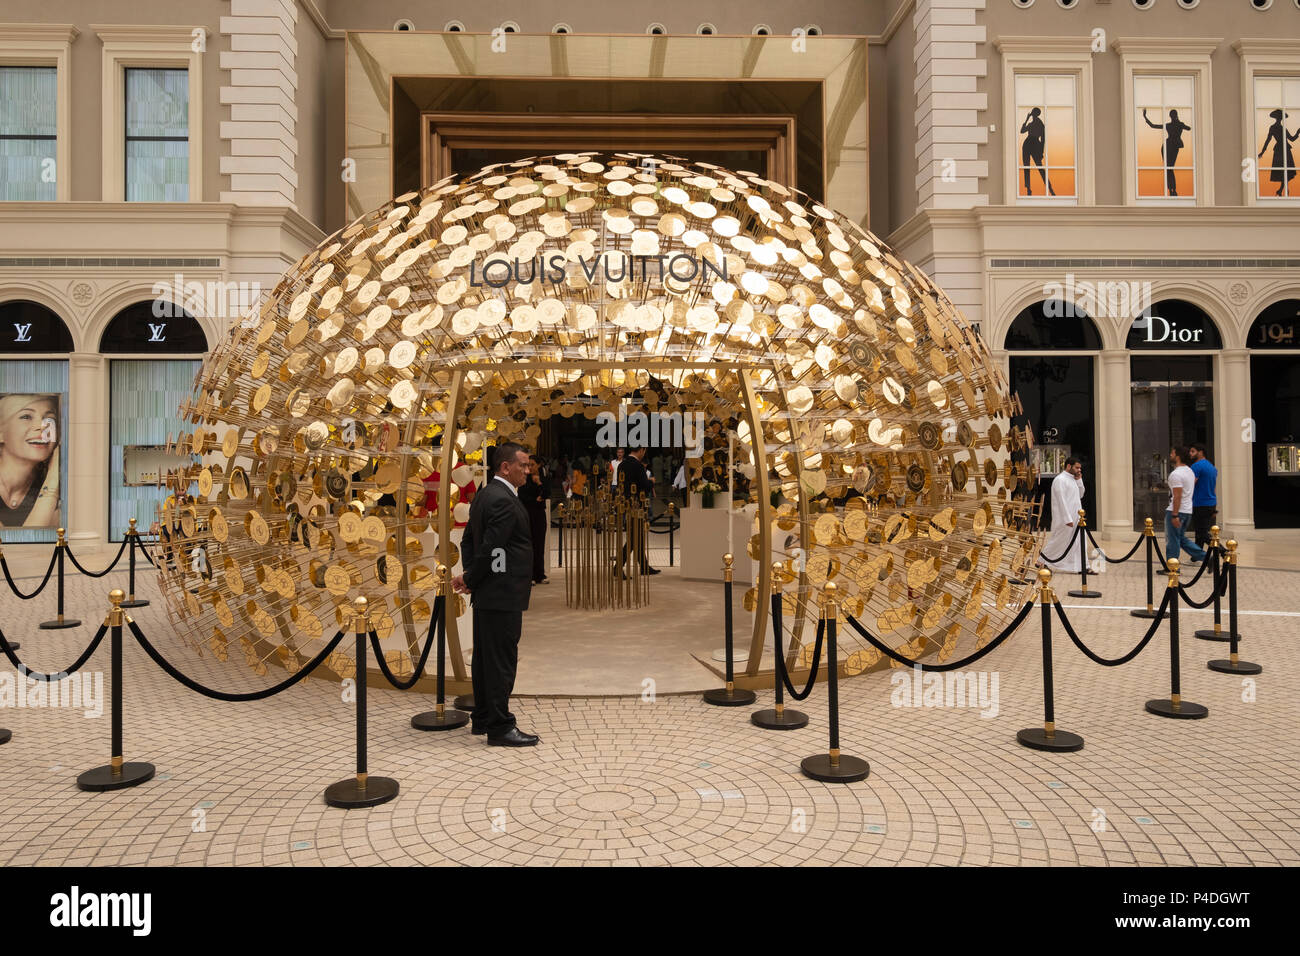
[[1174, 324], [1277, 327], [1050, 326], [153, 327], [31, 328]]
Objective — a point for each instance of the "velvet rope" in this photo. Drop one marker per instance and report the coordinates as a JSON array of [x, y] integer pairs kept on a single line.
[[223, 695], [4, 566], [1073, 538], [1115, 662], [57, 675], [1109, 560], [986, 649], [144, 551], [812, 675], [96, 574], [434, 622]]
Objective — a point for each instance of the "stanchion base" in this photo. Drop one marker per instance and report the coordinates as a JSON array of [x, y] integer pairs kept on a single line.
[[347, 795], [1084, 594], [138, 602], [848, 770], [1035, 738], [1207, 634], [789, 720], [464, 702], [448, 720], [1227, 667], [1143, 612], [738, 656], [59, 625], [5, 735], [15, 646], [103, 778], [1185, 711], [739, 697]]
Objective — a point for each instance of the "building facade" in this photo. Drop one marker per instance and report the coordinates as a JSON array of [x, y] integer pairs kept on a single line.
[[1107, 188]]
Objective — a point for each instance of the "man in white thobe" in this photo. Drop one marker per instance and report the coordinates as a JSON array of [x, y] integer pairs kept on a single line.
[[1067, 499]]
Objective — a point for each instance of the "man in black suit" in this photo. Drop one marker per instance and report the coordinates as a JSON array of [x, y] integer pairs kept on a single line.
[[633, 480], [497, 556]]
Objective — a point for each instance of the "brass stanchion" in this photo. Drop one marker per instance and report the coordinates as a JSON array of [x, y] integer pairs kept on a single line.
[[833, 766], [1175, 706], [778, 718], [131, 599], [60, 622], [672, 525], [362, 790], [1216, 573], [440, 718], [728, 696], [1233, 665], [1083, 591], [1048, 737], [116, 774], [1149, 532]]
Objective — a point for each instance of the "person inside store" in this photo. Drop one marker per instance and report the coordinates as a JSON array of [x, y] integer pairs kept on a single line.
[[636, 481], [29, 461], [534, 493], [1067, 499], [614, 464], [1179, 516], [1205, 503], [578, 486], [497, 562]]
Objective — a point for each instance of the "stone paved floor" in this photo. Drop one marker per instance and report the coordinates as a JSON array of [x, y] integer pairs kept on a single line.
[[622, 781]]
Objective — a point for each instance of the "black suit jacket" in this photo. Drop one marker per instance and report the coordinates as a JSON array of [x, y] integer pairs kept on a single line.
[[633, 477], [497, 550]]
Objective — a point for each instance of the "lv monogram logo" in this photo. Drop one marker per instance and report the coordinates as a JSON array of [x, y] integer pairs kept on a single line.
[[156, 332], [23, 331]]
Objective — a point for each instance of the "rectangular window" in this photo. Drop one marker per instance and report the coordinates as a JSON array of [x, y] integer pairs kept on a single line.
[[1277, 126], [28, 132], [1166, 159], [1045, 107], [157, 135]]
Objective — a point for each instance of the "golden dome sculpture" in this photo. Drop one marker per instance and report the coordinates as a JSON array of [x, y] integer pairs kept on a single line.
[[468, 312]]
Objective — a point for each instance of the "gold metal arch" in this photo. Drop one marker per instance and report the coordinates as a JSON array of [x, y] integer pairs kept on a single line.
[[495, 297]]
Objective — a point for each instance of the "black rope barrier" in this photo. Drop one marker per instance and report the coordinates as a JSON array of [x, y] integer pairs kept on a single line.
[[1214, 595], [908, 662], [4, 566], [729, 695], [145, 551], [1109, 560], [812, 674], [223, 695], [56, 675], [98, 574], [1164, 565], [1116, 661], [424, 654], [1068, 546], [779, 717]]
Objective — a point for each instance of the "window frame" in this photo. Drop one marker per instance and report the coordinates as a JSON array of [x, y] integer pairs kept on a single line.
[[1161, 57], [127, 138], [1048, 56], [148, 47], [1264, 57], [47, 44]]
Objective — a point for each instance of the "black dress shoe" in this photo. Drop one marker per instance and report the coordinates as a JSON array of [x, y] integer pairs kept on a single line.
[[514, 737], [477, 731], [651, 571]]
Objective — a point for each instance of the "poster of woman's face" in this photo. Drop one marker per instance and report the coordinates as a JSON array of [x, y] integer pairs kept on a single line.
[[29, 460]]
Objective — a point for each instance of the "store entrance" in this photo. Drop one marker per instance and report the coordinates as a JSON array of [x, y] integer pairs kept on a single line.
[[1173, 405]]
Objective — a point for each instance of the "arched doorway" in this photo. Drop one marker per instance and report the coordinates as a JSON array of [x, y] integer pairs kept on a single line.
[[34, 347], [156, 349], [1052, 368], [1274, 342], [1171, 367]]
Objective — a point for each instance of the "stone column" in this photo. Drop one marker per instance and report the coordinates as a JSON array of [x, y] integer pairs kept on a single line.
[[1114, 412], [1232, 452], [86, 446]]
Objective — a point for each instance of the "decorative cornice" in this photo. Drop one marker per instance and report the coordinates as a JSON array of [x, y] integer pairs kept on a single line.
[[1186, 46], [895, 22], [145, 33], [56, 32], [318, 18], [1267, 46], [1028, 44]]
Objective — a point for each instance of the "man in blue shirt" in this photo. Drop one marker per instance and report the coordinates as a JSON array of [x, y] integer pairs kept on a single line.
[[1204, 502]]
